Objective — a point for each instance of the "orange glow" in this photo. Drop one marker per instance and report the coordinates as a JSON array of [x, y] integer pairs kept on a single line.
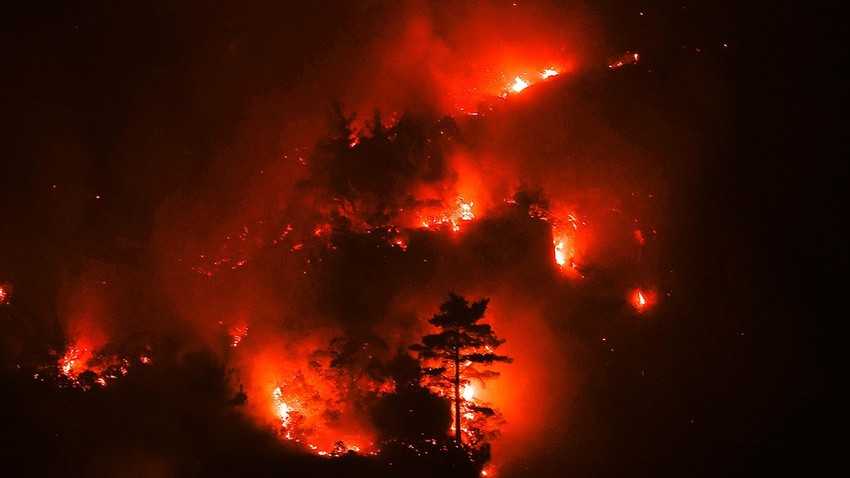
[[282, 407], [642, 300], [502, 79], [302, 402], [519, 84], [5, 293], [468, 392], [565, 235], [560, 252]]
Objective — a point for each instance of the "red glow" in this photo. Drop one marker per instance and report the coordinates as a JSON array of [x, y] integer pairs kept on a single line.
[[5, 293], [642, 300]]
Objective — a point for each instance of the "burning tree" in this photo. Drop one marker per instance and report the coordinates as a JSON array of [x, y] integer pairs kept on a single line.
[[461, 351]]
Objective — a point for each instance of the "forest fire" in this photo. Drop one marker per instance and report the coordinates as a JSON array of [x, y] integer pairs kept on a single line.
[[417, 238], [85, 368], [521, 83], [341, 393], [331, 285], [462, 211]]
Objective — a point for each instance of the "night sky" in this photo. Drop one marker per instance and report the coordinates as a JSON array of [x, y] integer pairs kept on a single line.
[[170, 184]]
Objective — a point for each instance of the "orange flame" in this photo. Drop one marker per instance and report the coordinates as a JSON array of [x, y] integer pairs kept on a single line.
[[519, 84], [5, 292], [642, 300], [468, 392], [548, 72]]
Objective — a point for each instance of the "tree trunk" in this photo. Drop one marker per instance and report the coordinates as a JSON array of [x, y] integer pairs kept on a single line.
[[457, 396]]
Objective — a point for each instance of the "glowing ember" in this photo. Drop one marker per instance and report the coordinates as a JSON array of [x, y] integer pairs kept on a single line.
[[519, 84], [5, 293], [627, 59], [237, 333]]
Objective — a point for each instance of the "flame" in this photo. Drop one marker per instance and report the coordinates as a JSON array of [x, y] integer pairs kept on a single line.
[[5, 292], [73, 363], [466, 213], [303, 403], [81, 357], [564, 235], [468, 392], [560, 252], [460, 211], [283, 410], [519, 84], [642, 299]]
